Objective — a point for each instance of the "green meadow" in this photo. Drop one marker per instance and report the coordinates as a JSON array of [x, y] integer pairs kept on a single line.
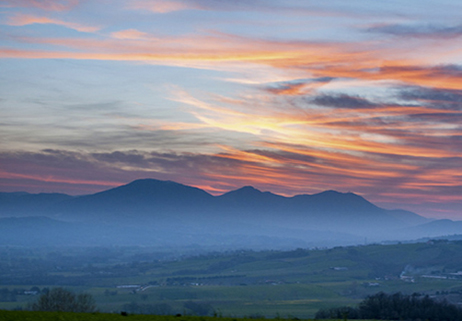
[[271, 284], [70, 316]]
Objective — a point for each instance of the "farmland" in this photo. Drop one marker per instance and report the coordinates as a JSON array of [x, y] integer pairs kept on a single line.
[[230, 284]]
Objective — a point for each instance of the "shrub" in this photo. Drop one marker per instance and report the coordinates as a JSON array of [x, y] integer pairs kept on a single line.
[[59, 299]]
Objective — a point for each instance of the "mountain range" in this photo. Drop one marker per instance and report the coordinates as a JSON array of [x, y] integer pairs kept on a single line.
[[165, 213]]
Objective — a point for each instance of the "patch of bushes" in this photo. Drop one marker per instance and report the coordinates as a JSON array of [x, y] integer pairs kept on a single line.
[[396, 306]]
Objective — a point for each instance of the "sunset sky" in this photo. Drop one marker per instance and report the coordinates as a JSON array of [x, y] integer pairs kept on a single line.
[[292, 97]]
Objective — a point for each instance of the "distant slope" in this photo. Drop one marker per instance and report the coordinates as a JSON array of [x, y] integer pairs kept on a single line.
[[181, 213], [344, 211], [408, 217], [436, 228], [25, 204], [36, 231]]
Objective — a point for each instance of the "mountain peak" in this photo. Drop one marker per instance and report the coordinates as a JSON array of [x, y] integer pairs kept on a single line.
[[247, 192], [146, 182], [333, 192], [153, 191], [149, 185], [339, 195], [249, 195], [248, 189]]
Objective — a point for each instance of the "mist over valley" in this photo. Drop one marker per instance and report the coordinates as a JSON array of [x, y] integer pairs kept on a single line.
[[153, 212], [160, 247]]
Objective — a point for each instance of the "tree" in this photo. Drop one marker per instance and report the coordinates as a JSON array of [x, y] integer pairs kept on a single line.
[[59, 299], [85, 303], [396, 306]]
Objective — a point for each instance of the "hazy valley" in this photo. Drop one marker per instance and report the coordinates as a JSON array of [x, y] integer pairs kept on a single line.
[[152, 212], [159, 247], [297, 283]]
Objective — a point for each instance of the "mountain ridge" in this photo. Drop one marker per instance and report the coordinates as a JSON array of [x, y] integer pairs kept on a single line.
[[182, 212], [142, 194]]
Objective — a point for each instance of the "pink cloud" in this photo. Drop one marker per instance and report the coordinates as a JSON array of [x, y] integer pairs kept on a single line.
[[302, 169], [129, 34], [27, 19], [54, 179], [163, 6], [359, 61], [48, 5]]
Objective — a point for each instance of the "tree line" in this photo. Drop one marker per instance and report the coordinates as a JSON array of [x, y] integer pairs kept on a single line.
[[396, 306], [59, 299]]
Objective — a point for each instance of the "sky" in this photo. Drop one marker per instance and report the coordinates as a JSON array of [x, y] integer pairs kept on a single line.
[[292, 97]]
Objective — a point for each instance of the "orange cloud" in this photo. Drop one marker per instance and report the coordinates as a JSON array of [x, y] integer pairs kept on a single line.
[[129, 34], [375, 147], [49, 5], [297, 88], [25, 19], [320, 60], [290, 89], [317, 172], [162, 6], [319, 128]]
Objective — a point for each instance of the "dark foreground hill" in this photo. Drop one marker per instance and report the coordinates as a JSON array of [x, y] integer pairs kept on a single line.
[[148, 211]]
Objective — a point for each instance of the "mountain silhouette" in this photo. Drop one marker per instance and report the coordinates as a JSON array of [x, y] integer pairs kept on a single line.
[[181, 213], [137, 200]]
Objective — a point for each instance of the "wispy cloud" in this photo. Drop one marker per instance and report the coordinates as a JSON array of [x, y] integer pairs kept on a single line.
[[303, 169], [163, 6], [211, 94], [343, 101], [418, 31], [48, 5], [27, 19], [362, 128], [129, 34], [267, 6], [297, 87], [446, 99], [321, 60]]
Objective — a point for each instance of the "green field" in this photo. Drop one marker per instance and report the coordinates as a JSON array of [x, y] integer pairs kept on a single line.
[[70, 316], [235, 284]]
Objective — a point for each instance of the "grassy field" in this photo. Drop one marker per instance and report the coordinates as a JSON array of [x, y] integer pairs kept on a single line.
[[236, 284], [69, 316]]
